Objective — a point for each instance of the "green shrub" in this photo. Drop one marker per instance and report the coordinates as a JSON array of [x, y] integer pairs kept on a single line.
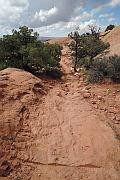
[[94, 76], [86, 47], [113, 68], [105, 68], [54, 72], [85, 62], [23, 50], [97, 71]]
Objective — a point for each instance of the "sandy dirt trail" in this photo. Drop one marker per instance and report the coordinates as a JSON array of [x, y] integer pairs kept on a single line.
[[70, 141]]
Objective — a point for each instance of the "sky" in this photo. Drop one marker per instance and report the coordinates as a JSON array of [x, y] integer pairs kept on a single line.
[[57, 17]]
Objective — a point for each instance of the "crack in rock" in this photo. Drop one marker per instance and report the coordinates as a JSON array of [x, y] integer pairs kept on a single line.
[[58, 164]]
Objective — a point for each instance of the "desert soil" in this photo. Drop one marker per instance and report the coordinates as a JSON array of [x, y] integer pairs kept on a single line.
[[70, 133]]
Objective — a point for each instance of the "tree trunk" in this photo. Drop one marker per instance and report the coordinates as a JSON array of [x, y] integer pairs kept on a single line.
[[75, 67], [76, 57]]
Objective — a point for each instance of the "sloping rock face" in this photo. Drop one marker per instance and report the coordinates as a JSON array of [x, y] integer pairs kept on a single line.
[[19, 90], [113, 37]]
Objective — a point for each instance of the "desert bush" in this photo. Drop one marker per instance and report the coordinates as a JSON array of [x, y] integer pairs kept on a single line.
[[86, 47], [23, 50], [97, 71], [108, 68], [113, 68], [85, 62], [94, 76], [110, 27], [53, 72]]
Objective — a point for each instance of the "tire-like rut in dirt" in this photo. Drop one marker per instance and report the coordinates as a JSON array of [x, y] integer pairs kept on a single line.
[[71, 141]]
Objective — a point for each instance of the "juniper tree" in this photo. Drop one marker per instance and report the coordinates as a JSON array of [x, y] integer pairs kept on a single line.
[[86, 46]]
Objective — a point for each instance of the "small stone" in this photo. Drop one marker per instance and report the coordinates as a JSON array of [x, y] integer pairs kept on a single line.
[[86, 83], [88, 87], [113, 110], [116, 119], [95, 106], [16, 164], [67, 84], [118, 91], [103, 109], [116, 122], [86, 95], [76, 74], [100, 97], [114, 93], [94, 102], [50, 87], [59, 94], [108, 90], [84, 90]]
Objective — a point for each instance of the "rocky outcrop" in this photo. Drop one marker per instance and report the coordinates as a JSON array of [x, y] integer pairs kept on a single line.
[[18, 91], [113, 38]]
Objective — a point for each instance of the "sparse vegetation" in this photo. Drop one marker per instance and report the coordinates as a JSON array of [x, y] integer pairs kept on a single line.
[[113, 68], [110, 27], [108, 68], [23, 50], [86, 47], [85, 50]]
